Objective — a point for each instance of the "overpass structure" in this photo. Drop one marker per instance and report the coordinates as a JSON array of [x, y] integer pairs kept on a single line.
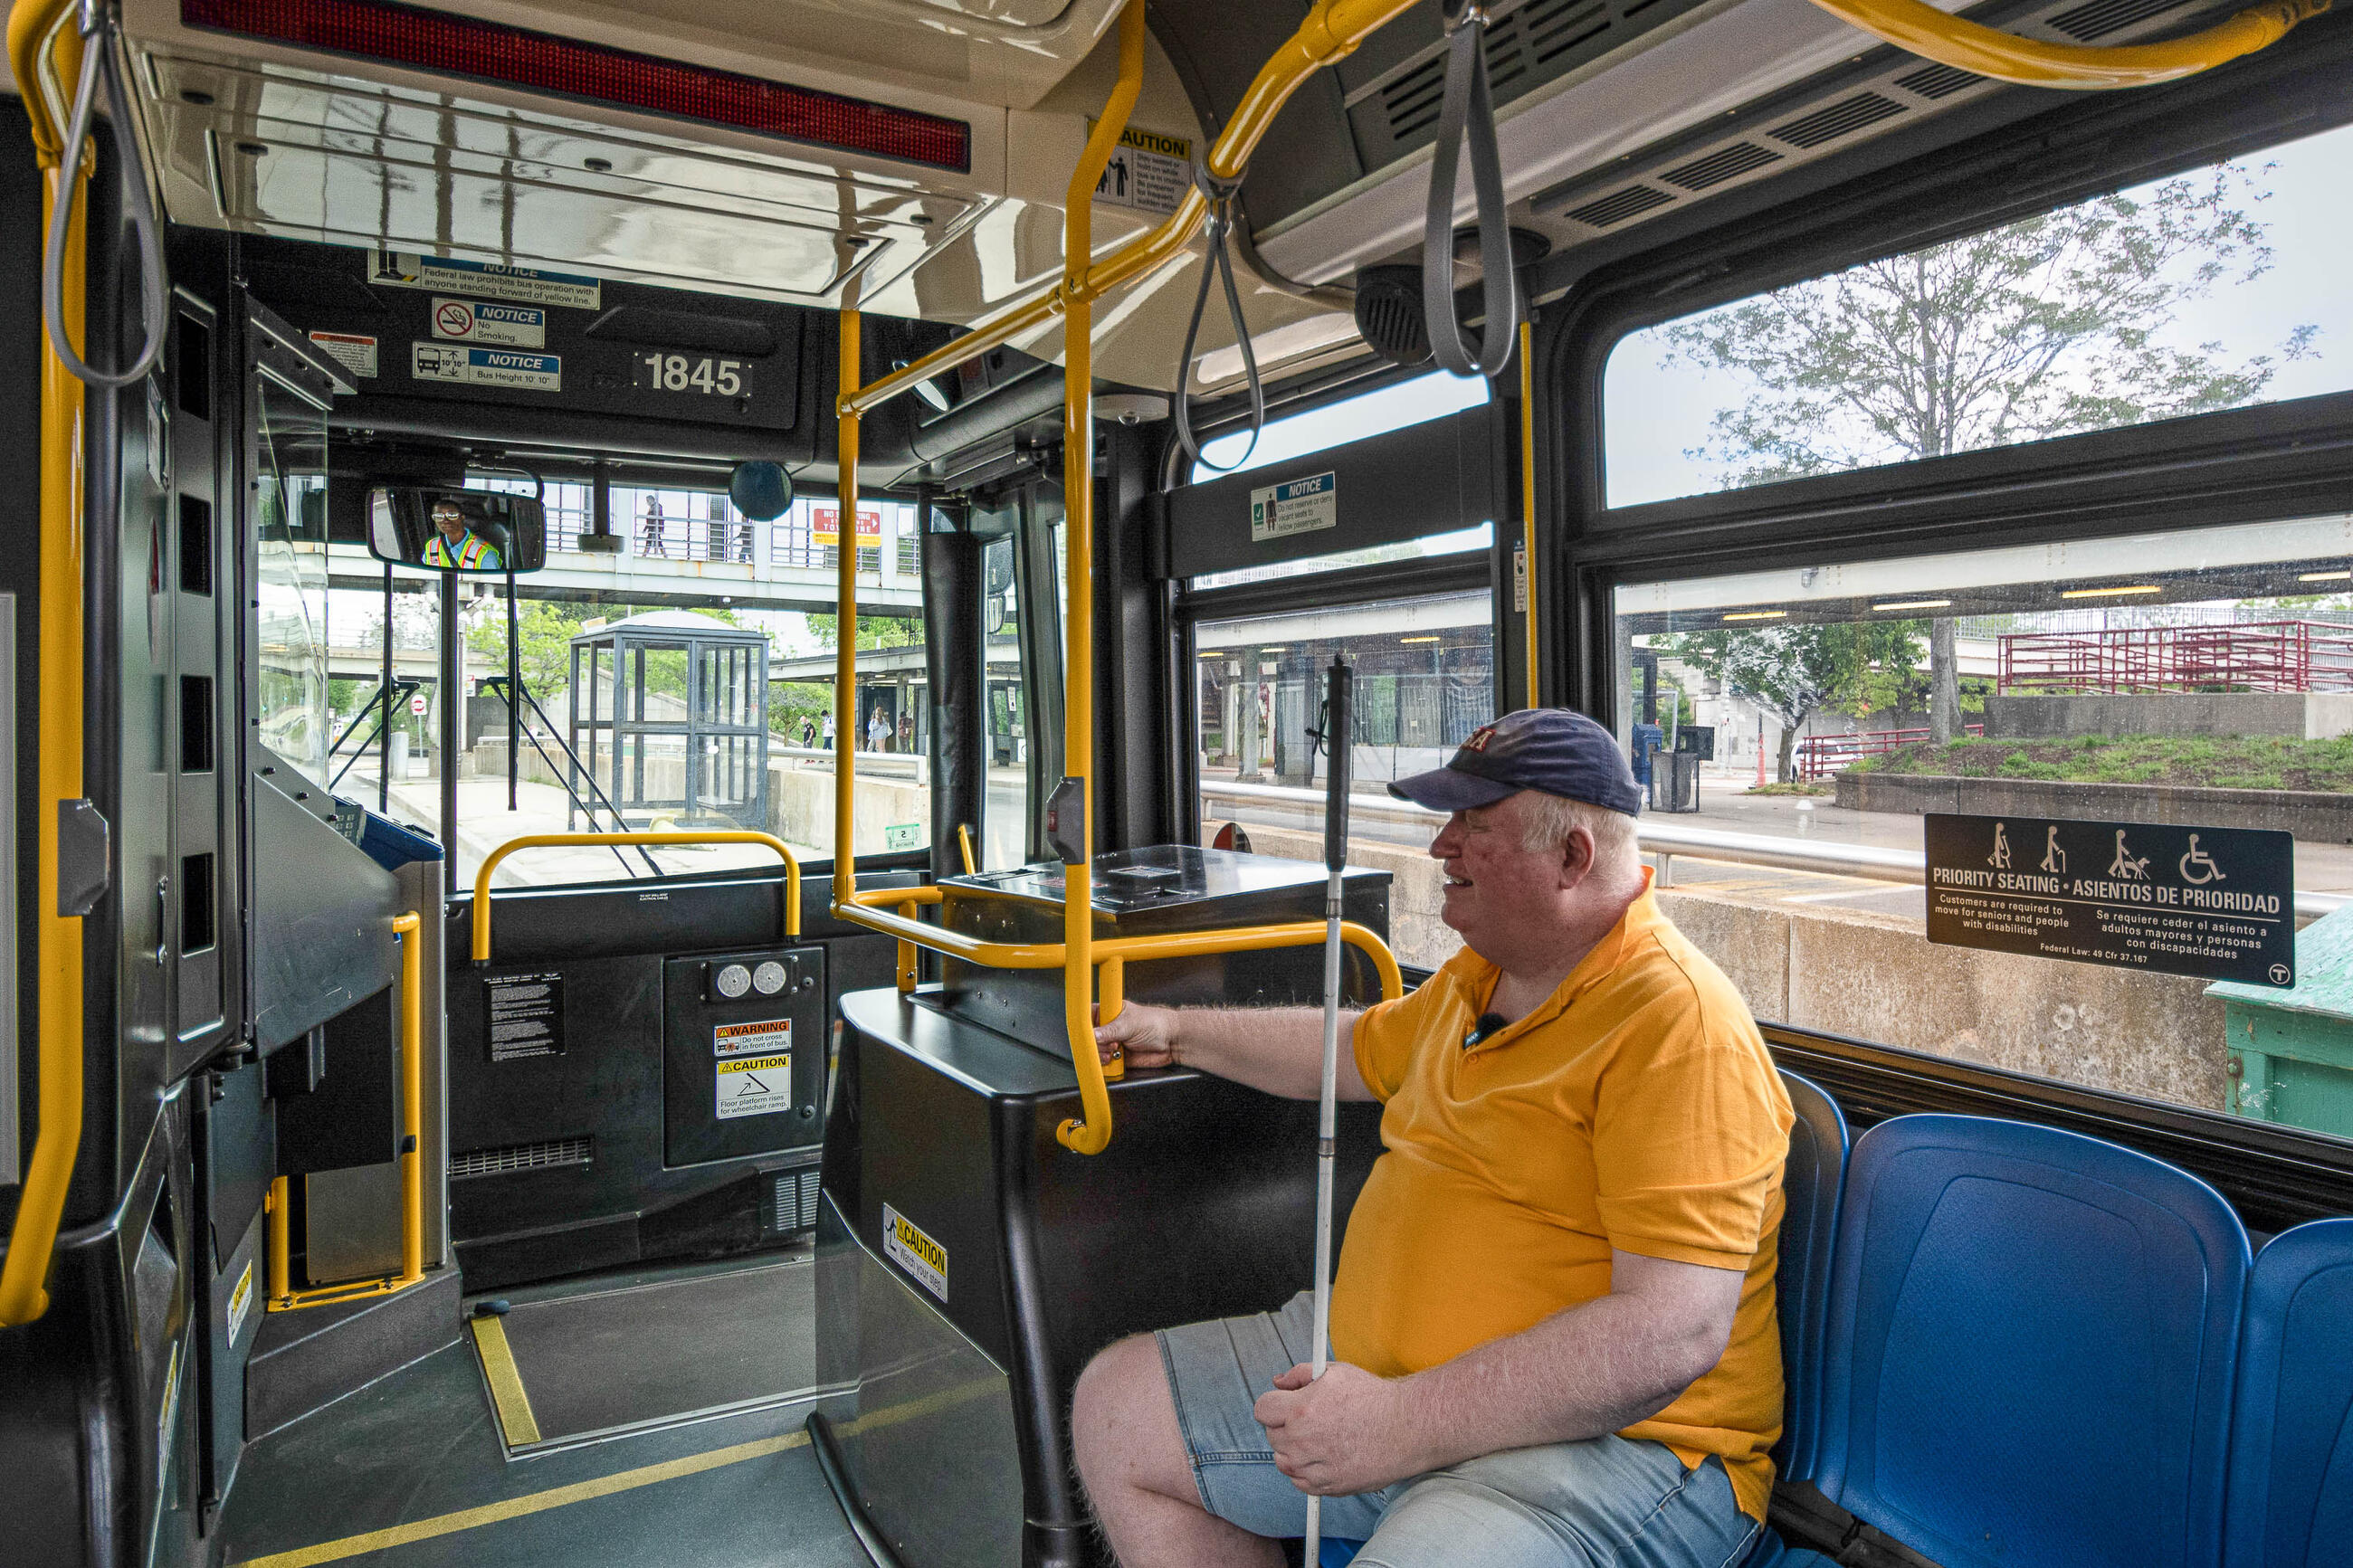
[[681, 581]]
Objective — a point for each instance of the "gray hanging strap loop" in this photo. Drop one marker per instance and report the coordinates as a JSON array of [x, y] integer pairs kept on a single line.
[[1468, 122], [1220, 193], [99, 67]]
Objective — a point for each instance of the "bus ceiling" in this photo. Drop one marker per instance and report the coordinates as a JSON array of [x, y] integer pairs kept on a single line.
[[912, 163]]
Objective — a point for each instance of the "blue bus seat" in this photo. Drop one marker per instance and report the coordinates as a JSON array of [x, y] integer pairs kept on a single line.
[[2291, 1487], [1338, 1553], [1811, 1183], [2030, 1350]]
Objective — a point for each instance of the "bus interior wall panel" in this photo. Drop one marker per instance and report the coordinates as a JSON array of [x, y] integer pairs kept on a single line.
[[761, 1110], [1133, 805], [1430, 478], [955, 658], [349, 1118]]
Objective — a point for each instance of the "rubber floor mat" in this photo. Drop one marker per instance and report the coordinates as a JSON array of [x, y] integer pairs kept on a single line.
[[570, 1367]]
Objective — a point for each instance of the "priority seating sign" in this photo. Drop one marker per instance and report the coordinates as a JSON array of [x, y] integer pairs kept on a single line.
[[2217, 903]]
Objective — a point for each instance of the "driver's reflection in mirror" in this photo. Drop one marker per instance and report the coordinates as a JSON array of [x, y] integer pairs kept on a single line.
[[455, 543]]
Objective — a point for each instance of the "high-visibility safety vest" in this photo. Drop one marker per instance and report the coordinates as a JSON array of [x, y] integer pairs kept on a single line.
[[474, 554]]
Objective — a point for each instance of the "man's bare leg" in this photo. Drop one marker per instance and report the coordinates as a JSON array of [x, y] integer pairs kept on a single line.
[[1132, 1458]]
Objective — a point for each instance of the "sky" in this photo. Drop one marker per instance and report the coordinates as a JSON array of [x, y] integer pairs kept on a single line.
[[1654, 414]]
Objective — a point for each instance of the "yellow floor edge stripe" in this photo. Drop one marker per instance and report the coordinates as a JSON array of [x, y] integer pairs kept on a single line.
[[516, 1508], [506, 1394], [603, 1486]]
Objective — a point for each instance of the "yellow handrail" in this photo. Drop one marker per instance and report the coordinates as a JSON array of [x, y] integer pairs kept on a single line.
[[2031, 62], [38, 33], [481, 921], [1331, 31], [283, 1296]]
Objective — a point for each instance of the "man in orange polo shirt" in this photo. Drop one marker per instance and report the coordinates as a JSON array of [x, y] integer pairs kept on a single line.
[[1553, 1332]]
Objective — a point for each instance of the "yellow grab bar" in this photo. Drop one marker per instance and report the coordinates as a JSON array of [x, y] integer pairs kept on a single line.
[[542, 841], [1331, 31], [2031, 62], [283, 1296], [38, 34]]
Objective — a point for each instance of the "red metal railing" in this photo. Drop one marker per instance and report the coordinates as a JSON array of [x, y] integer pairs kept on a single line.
[[2261, 655], [1821, 755]]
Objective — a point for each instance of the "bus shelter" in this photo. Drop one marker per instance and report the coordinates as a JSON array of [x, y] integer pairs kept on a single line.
[[669, 715]]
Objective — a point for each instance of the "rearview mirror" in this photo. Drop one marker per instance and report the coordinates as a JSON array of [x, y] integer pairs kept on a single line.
[[457, 530]]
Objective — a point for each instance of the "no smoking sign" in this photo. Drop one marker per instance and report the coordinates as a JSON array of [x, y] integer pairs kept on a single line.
[[488, 322]]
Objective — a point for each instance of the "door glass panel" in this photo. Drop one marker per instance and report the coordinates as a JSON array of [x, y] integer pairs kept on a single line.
[[1425, 679], [290, 531]]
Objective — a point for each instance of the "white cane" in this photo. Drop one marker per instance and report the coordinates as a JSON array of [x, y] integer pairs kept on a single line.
[[1335, 738]]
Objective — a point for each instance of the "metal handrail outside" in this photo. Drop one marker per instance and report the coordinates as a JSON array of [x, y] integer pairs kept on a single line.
[[277, 1203], [481, 905]]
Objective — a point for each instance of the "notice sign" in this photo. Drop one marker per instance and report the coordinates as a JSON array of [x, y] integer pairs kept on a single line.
[[2214, 902], [526, 1016], [914, 1251], [760, 1038], [355, 351], [493, 326], [486, 367], [755, 1086], [1147, 171], [1302, 506], [483, 280]]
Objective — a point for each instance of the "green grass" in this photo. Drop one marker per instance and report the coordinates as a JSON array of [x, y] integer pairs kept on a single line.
[[2220, 762], [1798, 786]]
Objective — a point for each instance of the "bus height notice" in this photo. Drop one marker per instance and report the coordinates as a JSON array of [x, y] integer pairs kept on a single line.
[[2215, 902]]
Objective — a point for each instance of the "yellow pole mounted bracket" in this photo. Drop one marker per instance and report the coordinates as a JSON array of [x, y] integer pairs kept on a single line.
[[1929, 33], [44, 50], [283, 1296], [482, 912]]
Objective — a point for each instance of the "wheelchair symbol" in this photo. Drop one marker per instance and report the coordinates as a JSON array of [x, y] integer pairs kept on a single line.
[[2206, 870]]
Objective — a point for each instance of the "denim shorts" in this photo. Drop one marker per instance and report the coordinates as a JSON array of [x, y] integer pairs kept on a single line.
[[1604, 1503]]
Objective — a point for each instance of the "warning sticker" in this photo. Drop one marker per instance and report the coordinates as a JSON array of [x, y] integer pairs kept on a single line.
[[526, 1016], [240, 1300], [752, 1039], [1302, 506], [916, 1253], [493, 326], [1148, 172], [405, 270], [486, 367], [755, 1086], [355, 351]]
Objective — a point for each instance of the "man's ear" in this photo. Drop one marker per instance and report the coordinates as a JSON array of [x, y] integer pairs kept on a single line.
[[1576, 857]]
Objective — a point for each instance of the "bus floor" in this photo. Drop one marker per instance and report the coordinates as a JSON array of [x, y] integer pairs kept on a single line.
[[410, 1471]]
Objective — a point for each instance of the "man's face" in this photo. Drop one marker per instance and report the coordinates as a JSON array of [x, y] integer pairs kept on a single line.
[[448, 519], [1498, 895]]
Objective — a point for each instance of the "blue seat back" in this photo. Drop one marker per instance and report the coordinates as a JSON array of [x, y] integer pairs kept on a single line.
[[2292, 1441], [1810, 1189], [2030, 1349]]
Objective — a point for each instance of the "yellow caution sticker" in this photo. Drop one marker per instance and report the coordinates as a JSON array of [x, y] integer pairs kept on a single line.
[[240, 1299], [755, 1086], [918, 1254], [1148, 171]]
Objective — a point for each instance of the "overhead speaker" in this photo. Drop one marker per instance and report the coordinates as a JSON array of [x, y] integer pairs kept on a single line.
[[1388, 313]]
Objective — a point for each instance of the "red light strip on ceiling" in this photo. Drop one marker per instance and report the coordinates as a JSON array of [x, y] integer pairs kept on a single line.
[[517, 57]]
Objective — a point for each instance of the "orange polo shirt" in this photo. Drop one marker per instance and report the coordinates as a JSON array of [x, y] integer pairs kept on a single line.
[[1636, 1108]]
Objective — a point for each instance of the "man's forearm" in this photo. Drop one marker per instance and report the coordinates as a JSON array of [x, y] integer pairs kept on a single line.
[[1592, 1369], [1278, 1049]]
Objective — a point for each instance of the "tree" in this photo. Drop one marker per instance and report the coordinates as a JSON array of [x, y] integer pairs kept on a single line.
[[2041, 328], [1796, 671], [874, 631]]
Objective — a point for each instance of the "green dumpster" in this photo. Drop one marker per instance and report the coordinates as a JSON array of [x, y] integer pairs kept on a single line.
[[2292, 1050]]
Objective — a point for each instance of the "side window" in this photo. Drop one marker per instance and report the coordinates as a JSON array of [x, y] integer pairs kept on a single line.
[[1425, 680], [2080, 708]]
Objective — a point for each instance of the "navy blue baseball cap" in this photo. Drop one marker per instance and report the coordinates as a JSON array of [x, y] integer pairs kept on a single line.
[[1549, 749]]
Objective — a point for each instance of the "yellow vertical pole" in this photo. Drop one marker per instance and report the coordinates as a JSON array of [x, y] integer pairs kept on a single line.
[[845, 622], [1529, 491], [24, 1293], [280, 1268], [1091, 1136], [412, 1098]]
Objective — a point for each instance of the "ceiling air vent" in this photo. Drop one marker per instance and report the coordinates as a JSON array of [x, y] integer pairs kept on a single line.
[[1619, 205], [1938, 81], [1413, 102], [1840, 118], [1724, 163], [2098, 18], [1552, 27]]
